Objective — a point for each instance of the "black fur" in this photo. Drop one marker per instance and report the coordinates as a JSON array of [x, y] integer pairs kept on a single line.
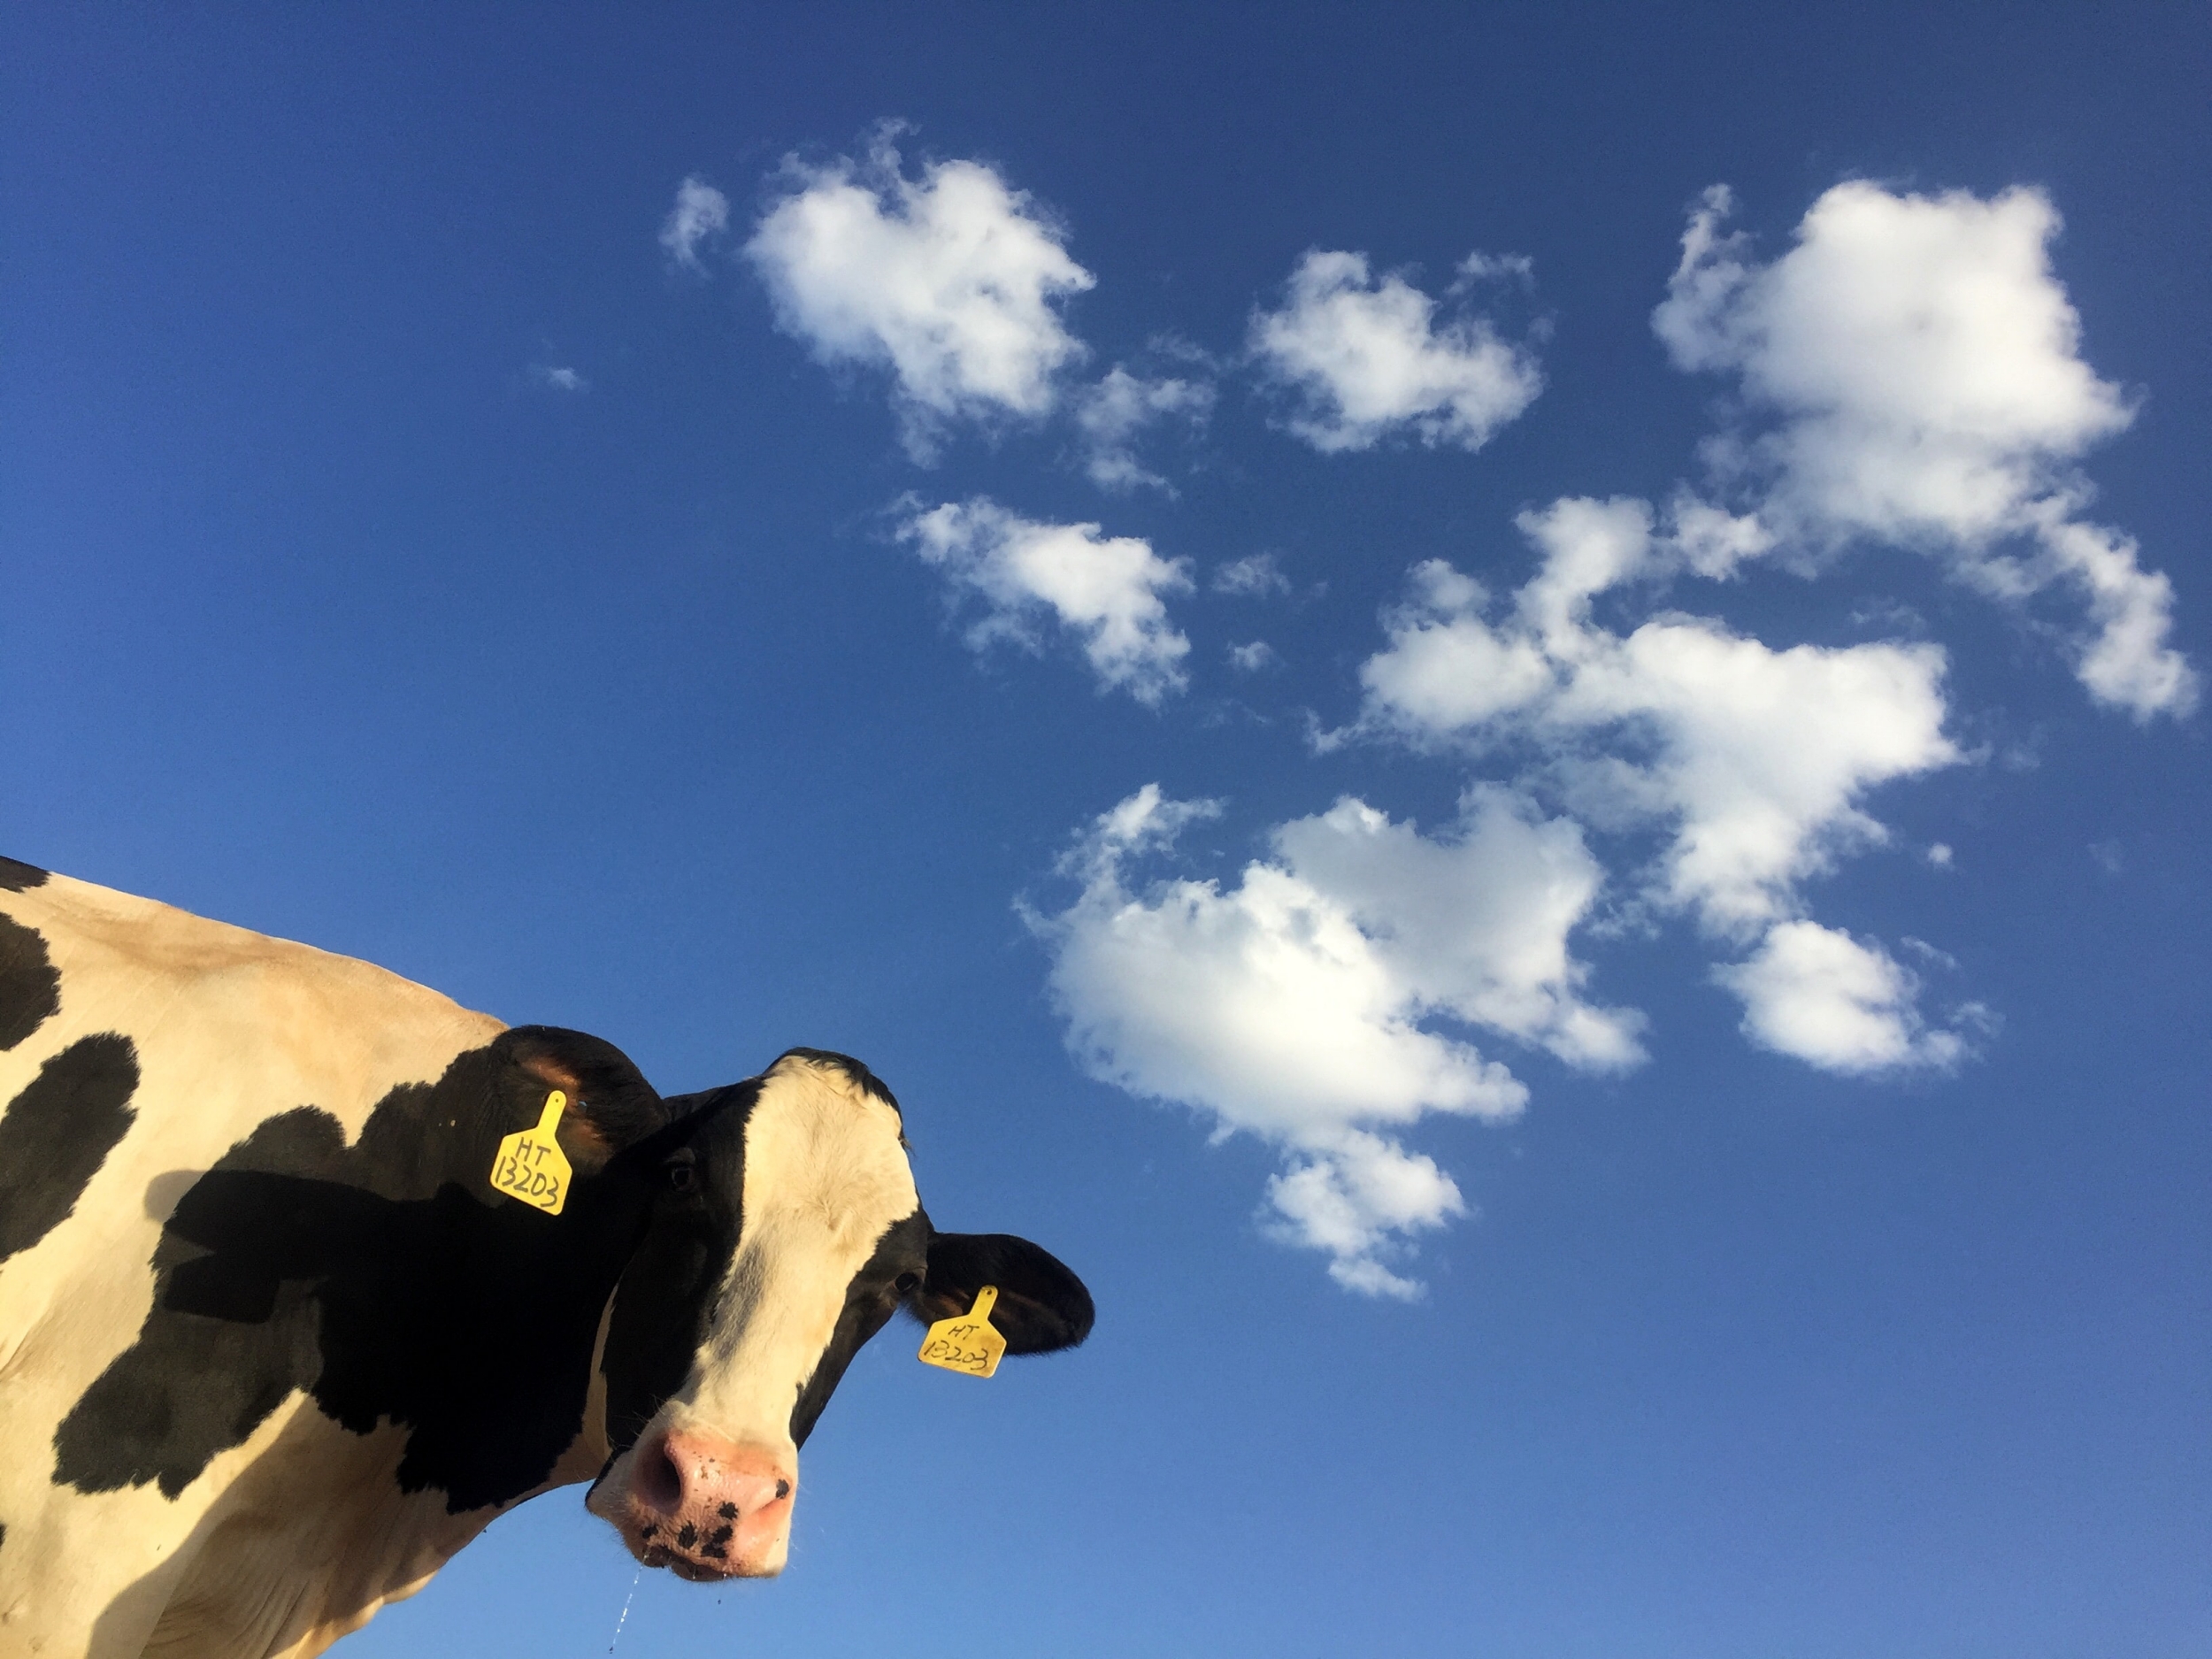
[[55, 1135], [30, 988], [661, 1304], [17, 876], [1042, 1306], [870, 1301]]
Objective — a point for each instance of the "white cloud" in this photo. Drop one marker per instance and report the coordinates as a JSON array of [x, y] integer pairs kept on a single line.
[[1106, 590], [1755, 758], [1365, 357], [1821, 996], [1296, 1005], [1496, 267], [561, 380], [1913, 374], [1110, 415], [1752, 762], [701, 213], [1356, 1199], [1254, 576], [1249, 659], [948, 280]]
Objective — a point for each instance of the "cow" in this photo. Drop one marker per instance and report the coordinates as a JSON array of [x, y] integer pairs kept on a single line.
[[274, 1345]]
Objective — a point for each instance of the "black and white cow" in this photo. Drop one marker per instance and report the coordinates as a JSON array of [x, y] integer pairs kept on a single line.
[[272, 1349]]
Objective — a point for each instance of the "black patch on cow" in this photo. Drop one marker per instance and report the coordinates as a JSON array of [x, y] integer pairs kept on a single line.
[[668, 1289], [58, 1131], [30, 986], [387, 1280], [17, 876], [870, 1301]]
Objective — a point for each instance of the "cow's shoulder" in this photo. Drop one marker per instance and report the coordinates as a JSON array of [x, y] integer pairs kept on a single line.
[[148, 1043], [241, 1025]]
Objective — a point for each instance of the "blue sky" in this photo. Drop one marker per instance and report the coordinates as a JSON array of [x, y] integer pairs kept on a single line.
[[1499, 711]]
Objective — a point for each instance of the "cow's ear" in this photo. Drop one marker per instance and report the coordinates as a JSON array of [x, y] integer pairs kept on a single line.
[[611, 1104], [1041, 1305]]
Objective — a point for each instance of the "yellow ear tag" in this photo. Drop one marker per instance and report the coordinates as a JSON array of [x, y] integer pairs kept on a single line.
[[531, 1165], [967, 1342]]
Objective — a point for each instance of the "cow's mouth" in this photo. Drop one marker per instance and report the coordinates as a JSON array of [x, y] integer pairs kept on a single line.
[[679, 1559]]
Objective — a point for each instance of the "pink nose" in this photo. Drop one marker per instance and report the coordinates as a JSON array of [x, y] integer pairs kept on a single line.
[[712, 1504]]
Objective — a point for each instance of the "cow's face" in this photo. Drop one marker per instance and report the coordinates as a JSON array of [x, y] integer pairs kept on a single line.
[[786, 1232]]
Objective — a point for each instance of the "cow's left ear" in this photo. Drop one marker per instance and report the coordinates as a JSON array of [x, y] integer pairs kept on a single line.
[[611, 1104], [1041, 1305]]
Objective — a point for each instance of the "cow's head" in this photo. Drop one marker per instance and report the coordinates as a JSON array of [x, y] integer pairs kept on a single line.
[[785, 1232]]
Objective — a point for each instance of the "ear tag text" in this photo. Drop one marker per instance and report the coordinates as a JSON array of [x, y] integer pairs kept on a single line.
[[531, 1166], [967, 1342]]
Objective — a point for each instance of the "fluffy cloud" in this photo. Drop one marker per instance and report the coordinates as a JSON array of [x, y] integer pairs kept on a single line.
[[1110, 415], [1843, 1005], [950, 281], [1297, 1005], [1913, 370], [1754, 762], [561, 380], [1365, 357], [701, 213], [1106, 590], [1755, 758]]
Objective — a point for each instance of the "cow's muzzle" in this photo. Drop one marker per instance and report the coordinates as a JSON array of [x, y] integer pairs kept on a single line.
[[703, 1507]]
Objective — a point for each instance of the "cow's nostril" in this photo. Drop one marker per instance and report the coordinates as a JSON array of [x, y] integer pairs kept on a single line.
[[659, 1483], [783, 1488]]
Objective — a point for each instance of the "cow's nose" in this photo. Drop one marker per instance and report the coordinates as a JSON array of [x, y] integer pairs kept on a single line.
[[716, 1501]]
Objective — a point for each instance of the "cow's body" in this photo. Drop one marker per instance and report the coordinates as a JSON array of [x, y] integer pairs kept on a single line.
[[272, 1349]]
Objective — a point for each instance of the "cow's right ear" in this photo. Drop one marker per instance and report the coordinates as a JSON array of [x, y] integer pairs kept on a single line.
[[612, 1105], [1041, 1305]]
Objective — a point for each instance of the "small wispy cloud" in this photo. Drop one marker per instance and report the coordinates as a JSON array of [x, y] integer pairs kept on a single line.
[[1254, 576], [561, 380], [701, 213], [1111, 415]]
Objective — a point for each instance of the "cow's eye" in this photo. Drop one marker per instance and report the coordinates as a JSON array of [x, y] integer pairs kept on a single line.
[[683, 1173], [905, 1282]]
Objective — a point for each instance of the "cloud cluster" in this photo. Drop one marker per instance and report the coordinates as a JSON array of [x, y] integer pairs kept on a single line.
[[1752, 762], [1908, 373], [1913, 376], [953, 282], [1364, 359], [950, 280], [1301, 1004], [1106, 590]]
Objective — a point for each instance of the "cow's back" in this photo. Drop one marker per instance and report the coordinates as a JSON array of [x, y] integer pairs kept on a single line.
[[158, 1041]]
